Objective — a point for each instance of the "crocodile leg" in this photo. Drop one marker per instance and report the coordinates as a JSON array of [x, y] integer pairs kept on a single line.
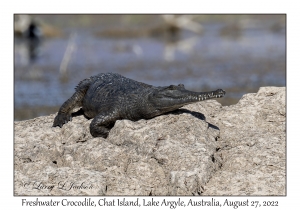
[[65, 112], [102, 123]]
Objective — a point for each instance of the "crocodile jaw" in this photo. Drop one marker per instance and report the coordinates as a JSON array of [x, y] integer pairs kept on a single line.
[[169, 103]]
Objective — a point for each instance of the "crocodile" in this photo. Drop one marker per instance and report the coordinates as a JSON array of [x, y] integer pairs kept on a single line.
[[108, 97]]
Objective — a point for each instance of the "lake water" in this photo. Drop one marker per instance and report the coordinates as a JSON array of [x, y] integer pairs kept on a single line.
[[239, 61]]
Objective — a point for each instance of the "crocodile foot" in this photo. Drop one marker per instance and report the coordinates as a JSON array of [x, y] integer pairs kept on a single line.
[[62, 118]]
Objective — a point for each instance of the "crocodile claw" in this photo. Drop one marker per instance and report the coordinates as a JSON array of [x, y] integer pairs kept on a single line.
[[61, 119]]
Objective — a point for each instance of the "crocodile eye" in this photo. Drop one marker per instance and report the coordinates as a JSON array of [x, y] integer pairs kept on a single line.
[[181, 85]]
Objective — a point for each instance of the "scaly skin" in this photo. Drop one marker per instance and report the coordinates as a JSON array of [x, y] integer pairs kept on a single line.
[[110, 97]]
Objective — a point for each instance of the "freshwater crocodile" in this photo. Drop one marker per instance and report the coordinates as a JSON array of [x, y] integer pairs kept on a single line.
[[108, 97]]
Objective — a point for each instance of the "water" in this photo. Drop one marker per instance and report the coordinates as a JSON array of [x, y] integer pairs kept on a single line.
[[239, 63]]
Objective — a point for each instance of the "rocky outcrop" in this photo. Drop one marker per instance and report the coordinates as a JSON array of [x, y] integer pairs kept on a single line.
[[252, 146], [200, 149]]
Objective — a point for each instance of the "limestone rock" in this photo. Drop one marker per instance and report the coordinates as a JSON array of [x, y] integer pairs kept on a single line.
[[252, 146], [200, 149], [167, 155]]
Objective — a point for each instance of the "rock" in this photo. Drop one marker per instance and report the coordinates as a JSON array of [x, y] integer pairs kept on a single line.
[[200, 149], [252, 146]]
